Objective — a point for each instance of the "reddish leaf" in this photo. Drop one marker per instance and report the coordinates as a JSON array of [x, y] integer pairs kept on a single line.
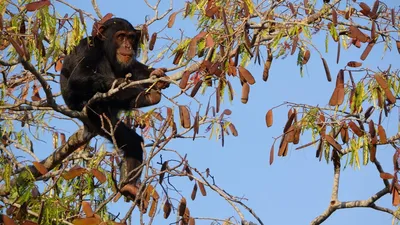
[[386, 176], [334, 17], [355, 129], [245, 93], [42, 169], [99, 175], [382, 134], [269, 118], [171, 19], [333, 142], [384, 85], [354, 64], [367, 50], [87, 221], [184, 80], [7, 220], [246, 75], [33, 6], [202, 188], [87, 209], [152, 41], [233, 129], [74, 172], [306, 57], [167, 209], [182, 206], [271, 154], [194, 191], [184, 116]]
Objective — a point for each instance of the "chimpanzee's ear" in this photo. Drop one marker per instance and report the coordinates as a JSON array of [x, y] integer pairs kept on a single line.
[[98, 30]]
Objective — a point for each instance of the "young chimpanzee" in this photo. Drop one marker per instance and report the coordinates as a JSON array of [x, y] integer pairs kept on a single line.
[[95, 65]]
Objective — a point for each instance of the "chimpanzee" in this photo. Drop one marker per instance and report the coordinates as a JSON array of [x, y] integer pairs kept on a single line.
[[95, 65]]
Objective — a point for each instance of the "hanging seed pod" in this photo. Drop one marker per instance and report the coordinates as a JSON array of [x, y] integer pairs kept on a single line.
[[245, 93]]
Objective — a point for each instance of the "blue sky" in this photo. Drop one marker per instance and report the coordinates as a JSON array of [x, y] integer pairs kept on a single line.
[[295, 189]]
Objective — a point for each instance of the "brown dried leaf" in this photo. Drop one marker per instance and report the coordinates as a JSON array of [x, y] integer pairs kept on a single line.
[[153, 208], [283, 147], [334, 17], [40, 167], [87, 221], [87, 209], [17, 47], [246, 75], [182, 206], [209, 41], [233, 129], [354, 32], [382, 134], [393, 17], [373, 31], [74, 172], [367, 50], [327, 72], [184, 80], [202, 188], [371, 126], [398, 46], [152, 41], [192, 48], [33, 6], [267, 65], [344, 133], [365, 9], [269, 118], [386, 176], [196, 88], [7, 220], [171, 19], [245, 93], [306, 57], [230, 90], [192, 221], [333, 142], [354, 64], [194, 192], [355, 129], [384, 85], [395, 197], [167, 209], [99, 175], [294, 44], [178, 57], [291, 7], [184, 116], [271, 154]]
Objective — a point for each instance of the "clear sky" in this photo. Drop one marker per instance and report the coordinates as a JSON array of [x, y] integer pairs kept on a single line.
[[297, 188]]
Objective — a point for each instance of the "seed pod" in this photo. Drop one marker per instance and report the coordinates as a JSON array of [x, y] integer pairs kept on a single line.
[[196, 88], [246, 75], [269, 118], [327, 72], [306, 57], [184, 116], [334, 17], [152, 41], [184, 80], [245, 93]]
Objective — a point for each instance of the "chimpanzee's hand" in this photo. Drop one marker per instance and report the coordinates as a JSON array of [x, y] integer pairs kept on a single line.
[[160, 72]]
